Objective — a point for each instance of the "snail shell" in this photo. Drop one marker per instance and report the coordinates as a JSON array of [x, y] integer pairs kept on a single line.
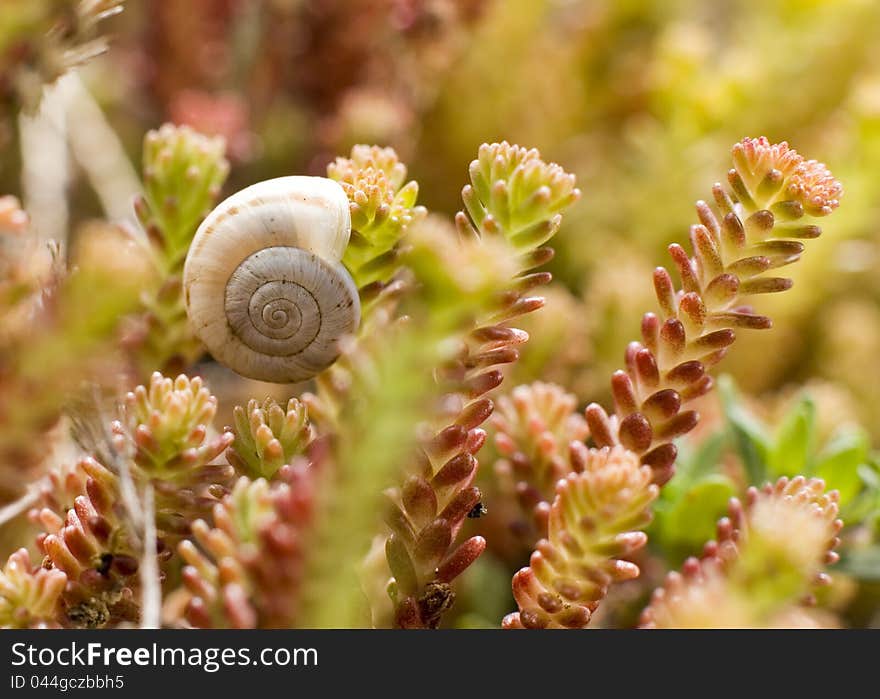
[[263, 283]]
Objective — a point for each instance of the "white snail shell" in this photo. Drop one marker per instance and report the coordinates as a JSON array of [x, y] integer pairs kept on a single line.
[[263, 283]]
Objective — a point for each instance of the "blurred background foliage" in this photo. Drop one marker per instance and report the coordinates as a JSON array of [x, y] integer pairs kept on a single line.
[[640, 98]]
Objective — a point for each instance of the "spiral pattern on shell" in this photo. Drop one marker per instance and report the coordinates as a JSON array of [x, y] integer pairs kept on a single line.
[[264, 287]]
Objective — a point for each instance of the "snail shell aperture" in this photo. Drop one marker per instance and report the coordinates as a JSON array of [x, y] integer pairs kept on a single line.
[[264, 286]]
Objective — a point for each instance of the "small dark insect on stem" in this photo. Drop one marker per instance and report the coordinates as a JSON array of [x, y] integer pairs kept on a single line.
[[477, 511]]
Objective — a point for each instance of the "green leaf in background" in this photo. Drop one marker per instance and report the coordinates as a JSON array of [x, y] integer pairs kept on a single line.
[[838, 463], [485, 591], [865, 506], [696, 462], [862, 563], [690, 521], [691, 503], [749, 437], [793, 445]]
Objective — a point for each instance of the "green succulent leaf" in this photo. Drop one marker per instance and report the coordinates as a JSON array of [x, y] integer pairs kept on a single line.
[[865, 506], [690, 520], [697, 462], [839, 463], [748, 435], [862, 563], [793, 444]]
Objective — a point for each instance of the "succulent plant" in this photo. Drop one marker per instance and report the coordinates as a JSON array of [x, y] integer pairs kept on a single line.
[[593, 528], [514, 200], [263, 525], [29, 594], [245, 570], [183, 173], [768, 556], [267, 436], [383, 206], [754, 227]]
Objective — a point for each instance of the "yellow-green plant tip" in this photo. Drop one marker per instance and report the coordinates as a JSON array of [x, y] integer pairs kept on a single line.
[[30, 595], [267, 436]]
